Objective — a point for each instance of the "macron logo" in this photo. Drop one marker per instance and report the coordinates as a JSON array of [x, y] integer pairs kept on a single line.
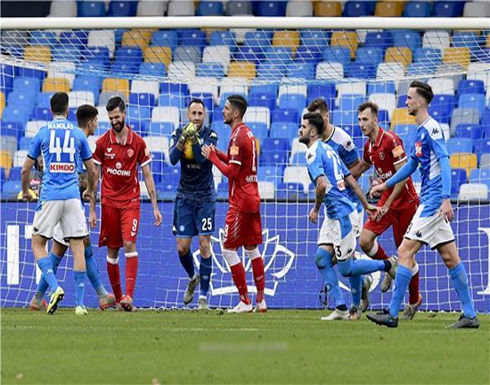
[[113, 171]]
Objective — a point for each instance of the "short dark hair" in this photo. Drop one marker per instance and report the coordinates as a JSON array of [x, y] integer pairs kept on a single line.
[[115, 102], [239, 102], [424, 90], [316, 120], [198, 101], [371, 105], [318, 104], [59, 103], [85, 113]]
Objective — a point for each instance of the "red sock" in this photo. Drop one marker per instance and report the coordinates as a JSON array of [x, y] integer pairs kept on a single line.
[[259, 278], [380, 254], [131, 272], [115, 279], [413, 290], [238, 274]]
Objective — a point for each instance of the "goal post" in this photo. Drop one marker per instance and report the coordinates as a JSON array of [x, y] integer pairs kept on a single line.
[[280, 65]]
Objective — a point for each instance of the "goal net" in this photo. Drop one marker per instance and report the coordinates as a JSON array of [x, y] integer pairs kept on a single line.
[[280, 67]]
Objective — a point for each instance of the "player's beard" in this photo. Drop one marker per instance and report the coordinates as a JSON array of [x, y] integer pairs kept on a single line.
[[412, 112], [121, 126]]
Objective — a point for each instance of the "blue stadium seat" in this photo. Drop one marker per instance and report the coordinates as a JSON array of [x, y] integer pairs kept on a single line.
[[441, 107], [21, 98], [406, 132], [286, 116], [350, 102], [11, 189], [479, 176], [420, 70], [471, 131], [353, 130], [401, 101], [315, 38], [97, 54], [11, 128], [458, 177], [476, 101], [485, 119], [455, 145], [417, 9], [288, 130], [82, 83], [15, 173], [262, 100], [361, 70], [271, 71], [43, 99], [153, 69], [167, 189], [174, 88], [222, 190], [214, 70], [325, 91], [122, 8], [471, 40], [223, 38], [41, 113], [250, 54], [126, 68], [385, 87], [292, 101], [428, 57], [187, 53], [138, 126], [270, 174], [258, 39], [88, 68], [46, 38], [165, 39], [471, 87], [132, 55], [339, 117], [222, 130], [142, 99], [91, 8], [27, 84], [271, 8], [260, 130], [481, 146], [275, 143], [25, 143], [448, 8], [161, 129], [157, 166], [274, 158], [210, 8], [486, 129], [279, 56], [381, 40], [102, 128], [370, 55], [193, 38], [17, 114], [299, 159], [337, 54], [384, 118], [290, 191], [357, 9], [206, 98], [308, 54], [407, 38], [74, 38], [301, 71]]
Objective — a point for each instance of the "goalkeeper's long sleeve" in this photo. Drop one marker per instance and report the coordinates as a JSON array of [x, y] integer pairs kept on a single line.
[[403, 173], [230, 170], [175, 154]]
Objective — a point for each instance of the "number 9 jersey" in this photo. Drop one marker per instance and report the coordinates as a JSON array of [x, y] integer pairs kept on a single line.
[[60, 142]]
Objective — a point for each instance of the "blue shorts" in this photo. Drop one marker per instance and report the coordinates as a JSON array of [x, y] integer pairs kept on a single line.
[[193, 217]]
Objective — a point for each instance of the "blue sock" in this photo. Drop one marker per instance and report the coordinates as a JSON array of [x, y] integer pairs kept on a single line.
[[93, 273], [46, 267], [460, 282], [403, 277], [42, 286], [187, 263], [356, 289], [205, 273], [324, 264], [79, 277], [349, 267]]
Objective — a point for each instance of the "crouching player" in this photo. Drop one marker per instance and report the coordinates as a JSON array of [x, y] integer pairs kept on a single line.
[[338, 233], [87, 118]]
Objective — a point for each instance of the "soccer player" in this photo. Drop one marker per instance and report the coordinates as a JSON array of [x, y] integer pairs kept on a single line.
[[195, 204], [397, 206], [60, 142], [338, 234], [242, 226], [345, 147], [430, 225], [118, 153], [87, 119]]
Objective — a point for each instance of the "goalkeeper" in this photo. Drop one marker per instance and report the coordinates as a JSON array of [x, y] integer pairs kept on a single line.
[[196, 199]]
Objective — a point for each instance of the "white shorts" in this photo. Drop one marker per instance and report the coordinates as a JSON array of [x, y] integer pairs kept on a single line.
[[433, 231], [341, 234], [67, 213]]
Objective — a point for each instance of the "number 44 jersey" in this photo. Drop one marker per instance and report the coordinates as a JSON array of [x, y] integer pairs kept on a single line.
[[60, 142]]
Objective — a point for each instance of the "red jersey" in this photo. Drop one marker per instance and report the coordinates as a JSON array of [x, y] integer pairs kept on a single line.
[[119, 163], [384, 155], [244, 189]]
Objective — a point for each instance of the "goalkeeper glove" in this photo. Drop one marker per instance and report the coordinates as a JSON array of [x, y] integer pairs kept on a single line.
[[191, 131]]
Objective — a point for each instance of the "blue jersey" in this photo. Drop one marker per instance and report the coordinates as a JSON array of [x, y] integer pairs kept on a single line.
[[430, 146], [196, 172], [341, 142], [60, 142], [321, 159]]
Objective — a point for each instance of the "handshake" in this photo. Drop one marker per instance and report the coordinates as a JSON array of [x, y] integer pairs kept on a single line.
[[189, 132]]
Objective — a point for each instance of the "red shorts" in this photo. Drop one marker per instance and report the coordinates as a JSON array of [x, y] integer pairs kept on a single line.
[[119, 225], [399, 219], [242, 229]]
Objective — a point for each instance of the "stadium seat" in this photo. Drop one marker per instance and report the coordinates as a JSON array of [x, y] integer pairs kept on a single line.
[[402, 55], [310, 55], [407, 38], [5, 160], [480, 176], [388, 9], [11, 189], [77, 98], [11, 129], [287, 130], [158, 55], [274, 158], [189, 53], [298, 159], [122, 8], [464, 115], [373, 55], [271, 71], [400, 116], [337, 54], [46, 38], [166, 114], [153, 69], [381, 87], [19, 98], [466, 161], [142, 99], [289, 39], [161, 129], [239, 8], [436, 40], [327, 8], [455, 145], [257, 114], [136, 38], [165, 39], [223, 38], [297, 174], [209, 8], [471, 86], [120, 86], [325, 91], [380, 39], [474, 101], [271, 8], [357, 9], [56, 85], [448, 8], [151, 8], [24, 143], [339, 117], [181, 70], [417, 9], [441, 107], [217, 54], [443, 86], [41, 113], [361, 70], [194, 37], [329, 71], [19, 158], [40, 54], [476, 9], [270, 174], [457, 55], [143, 86], [63, 8], [406, 132], [384, 101], [260, 131], [473, 192], [301, 70], [181, 8], [299, 9], [458, 177], [16, 114], [346, 39], [292, 101], [91, 8]]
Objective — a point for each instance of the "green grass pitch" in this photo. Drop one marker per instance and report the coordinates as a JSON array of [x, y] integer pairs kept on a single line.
[[280, 347]]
